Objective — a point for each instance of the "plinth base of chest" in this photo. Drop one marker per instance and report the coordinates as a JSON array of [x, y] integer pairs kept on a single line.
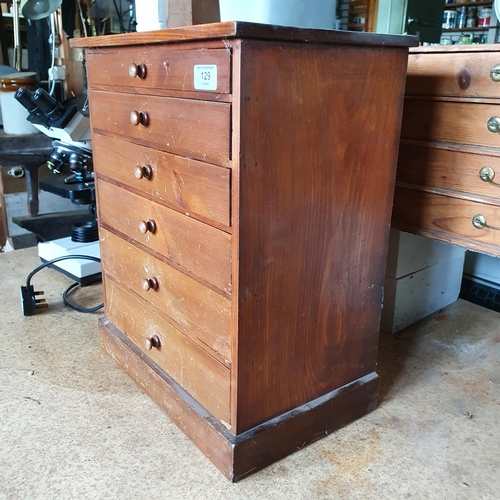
[[237, 456]]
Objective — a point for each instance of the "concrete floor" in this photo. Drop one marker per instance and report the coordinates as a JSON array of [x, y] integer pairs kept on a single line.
[[72, 425]]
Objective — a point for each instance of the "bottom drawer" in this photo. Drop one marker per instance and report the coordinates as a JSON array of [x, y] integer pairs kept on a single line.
[[201, 375], [432, 214]]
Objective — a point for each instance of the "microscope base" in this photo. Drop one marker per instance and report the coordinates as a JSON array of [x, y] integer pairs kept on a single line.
[[82, 271]]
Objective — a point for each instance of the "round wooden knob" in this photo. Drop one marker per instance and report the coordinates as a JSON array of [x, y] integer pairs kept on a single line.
[[151, 342], [143, 172], [139, 70], [149, 284], [145, 226], [139, 118], [135, 118]]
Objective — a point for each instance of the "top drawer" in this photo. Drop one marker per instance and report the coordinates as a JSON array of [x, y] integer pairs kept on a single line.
[[464, 74], [182, 70]]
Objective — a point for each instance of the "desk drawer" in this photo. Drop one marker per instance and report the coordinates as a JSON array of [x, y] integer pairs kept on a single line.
[[200, 374], [430, 166], [446, 215], [197, 129], [453, 74], [164, 69], [188, 186], [457, 122], [197, 247], [201, 311]]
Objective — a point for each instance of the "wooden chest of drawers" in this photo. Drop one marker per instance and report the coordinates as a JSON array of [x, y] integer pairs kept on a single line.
[[244, 181], [450, 147]]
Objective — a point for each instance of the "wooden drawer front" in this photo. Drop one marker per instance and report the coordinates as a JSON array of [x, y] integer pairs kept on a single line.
[[463, 123], [453, 74], [446, 169], [200, 374], [165, 69], [446, 215], [197, 129], [197, 247], [200, 310], [188, 186]]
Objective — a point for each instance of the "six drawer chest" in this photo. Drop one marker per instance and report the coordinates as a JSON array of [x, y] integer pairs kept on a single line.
[[245, 176]]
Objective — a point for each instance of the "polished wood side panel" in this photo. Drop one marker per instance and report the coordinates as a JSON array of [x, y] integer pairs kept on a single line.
[[206, 379], [170, 68], [238, 456], [458, 122], [464, 74], [314, 214], [191, 187], [449, 219], [432, 165], [200, 310], [234, 29], [196, 129], [196, 247]]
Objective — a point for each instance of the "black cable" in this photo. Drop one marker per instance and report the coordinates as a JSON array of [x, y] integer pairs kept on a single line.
[[76, 308], [74, 285]]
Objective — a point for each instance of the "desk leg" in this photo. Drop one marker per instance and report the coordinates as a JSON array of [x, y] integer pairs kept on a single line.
[[31, 170]]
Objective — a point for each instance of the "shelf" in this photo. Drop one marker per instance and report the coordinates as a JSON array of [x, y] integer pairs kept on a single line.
[[466, 4], [460, 30]]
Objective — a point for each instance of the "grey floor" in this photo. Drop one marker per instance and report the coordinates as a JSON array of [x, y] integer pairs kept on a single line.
[[72, 425]]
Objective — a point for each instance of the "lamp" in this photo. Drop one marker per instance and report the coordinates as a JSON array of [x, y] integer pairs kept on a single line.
[[38, 9]]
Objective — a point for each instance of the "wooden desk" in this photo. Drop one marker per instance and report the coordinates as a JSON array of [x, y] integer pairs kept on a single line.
[[450, 147]]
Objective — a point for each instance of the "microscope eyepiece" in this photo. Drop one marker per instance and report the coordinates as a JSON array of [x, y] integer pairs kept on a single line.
[[46, 103], [24, 96]]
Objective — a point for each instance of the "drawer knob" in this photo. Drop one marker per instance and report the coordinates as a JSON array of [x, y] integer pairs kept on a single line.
[[494, 124], [139, 70], [495, 73], [487, 174], [145, 172], [149, 284], [479, 222], [139, 118], [145, 226], [151, 342]]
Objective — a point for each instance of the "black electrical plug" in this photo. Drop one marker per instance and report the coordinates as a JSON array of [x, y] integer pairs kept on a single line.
[[29, 302]]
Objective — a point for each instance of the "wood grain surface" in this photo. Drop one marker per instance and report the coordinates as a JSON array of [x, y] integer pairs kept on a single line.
[[464, 74], [235, 29], [450, 216], [458, 122], [168, 69], [314, 212], [195, 247], [197, 189], [430, 166], [187, 363], [196, 129], [191, 305]]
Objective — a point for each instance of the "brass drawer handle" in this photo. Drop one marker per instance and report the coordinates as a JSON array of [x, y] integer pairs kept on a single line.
[[142, 118], [494, 124], [139, 70], [479, 222], [151, 342], [145, 172], [145, 226], [149, 284], [487, 174], [495, 73]]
